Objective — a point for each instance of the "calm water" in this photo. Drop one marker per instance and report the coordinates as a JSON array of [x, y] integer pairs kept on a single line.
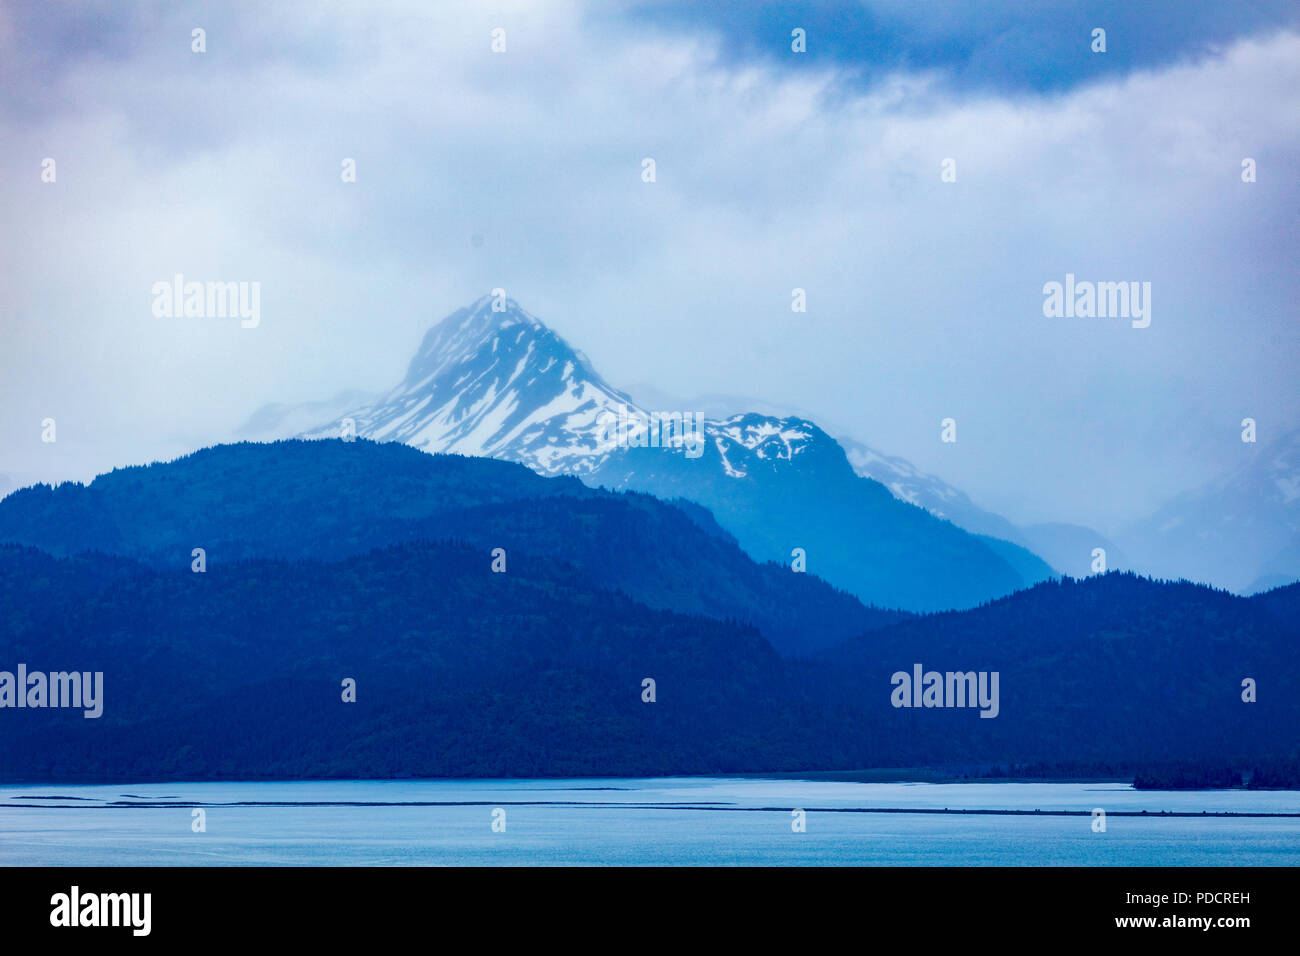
[[677, 821]]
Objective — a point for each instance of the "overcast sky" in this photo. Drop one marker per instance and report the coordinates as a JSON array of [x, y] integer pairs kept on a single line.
[[775, 170]]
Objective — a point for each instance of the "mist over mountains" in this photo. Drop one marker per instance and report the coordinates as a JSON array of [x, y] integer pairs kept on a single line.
[[706, 511], [500, 573], [493, 380], [1241, 531]]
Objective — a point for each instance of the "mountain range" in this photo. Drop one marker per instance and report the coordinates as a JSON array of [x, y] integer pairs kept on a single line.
[[493, 380], [1065, 547], [501, 574], [327, 561], [329, 500]]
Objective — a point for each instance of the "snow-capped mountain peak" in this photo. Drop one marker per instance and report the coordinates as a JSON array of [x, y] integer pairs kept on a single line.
[[493, 380]]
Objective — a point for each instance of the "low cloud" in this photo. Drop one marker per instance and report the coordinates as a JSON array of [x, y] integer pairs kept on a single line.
[[522, 170]]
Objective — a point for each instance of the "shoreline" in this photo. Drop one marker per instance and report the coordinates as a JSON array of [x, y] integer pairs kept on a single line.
[[887, 775]]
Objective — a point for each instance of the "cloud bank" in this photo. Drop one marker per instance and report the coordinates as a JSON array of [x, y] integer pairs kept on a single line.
[[522, 170]]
